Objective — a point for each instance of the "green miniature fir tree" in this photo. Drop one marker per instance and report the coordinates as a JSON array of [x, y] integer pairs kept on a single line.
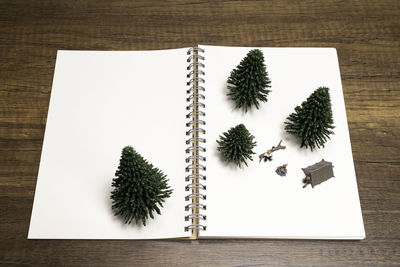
[[312, 122], [237, 145], [249, 81], [139, 188]]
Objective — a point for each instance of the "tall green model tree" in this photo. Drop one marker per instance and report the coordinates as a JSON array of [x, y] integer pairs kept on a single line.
[[312, 122], [237, 145], [139, 188], [249, 81]]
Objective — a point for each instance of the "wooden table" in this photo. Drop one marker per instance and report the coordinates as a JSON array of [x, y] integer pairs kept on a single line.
[[365, 33]]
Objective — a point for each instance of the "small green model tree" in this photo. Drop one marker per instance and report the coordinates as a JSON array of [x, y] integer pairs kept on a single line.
[[249, 81], [139, 188], [237, 145], [312, 122]]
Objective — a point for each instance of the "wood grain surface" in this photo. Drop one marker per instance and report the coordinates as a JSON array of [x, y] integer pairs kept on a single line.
[[365, 33]]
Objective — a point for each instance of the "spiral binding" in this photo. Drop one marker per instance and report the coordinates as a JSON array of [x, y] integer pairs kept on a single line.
[[195, 187]]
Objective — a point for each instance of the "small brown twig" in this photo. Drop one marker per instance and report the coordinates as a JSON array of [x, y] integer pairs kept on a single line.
[[278, 147]]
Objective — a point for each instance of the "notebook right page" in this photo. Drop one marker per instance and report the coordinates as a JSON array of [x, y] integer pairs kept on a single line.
[[254, 201]]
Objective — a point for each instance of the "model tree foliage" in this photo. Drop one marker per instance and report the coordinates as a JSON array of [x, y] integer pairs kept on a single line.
[[237, 145], [312, 122], [139, 188], [249, 81]]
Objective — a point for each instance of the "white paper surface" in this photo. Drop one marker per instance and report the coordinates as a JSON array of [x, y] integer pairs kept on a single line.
[[101, 102], [255, 201]]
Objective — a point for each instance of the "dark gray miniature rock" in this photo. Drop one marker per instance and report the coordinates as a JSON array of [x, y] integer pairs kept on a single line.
[[318, 173]]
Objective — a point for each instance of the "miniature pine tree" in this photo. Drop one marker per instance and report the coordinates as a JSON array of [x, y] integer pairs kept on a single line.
[[312, 122], [139, 188], [237, 145], [249, 81]]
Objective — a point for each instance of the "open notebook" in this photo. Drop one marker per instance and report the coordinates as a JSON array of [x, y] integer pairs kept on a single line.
[[102, 101]]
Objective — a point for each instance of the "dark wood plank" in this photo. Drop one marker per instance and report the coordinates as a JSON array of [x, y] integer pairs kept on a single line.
[[365, 33]]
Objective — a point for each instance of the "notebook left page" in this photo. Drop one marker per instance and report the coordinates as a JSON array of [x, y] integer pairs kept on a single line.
[[100, 103]]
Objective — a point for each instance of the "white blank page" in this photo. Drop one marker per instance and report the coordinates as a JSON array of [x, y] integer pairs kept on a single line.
[[100, 103], [254, 201]]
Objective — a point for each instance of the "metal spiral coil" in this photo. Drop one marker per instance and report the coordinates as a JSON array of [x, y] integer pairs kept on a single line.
[[198, 139], [195, 176], [199, 206], [197, 113], [196, 96], [198, 88]]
